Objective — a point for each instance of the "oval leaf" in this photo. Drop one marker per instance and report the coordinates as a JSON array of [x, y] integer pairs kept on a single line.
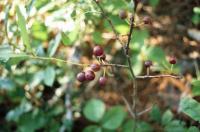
[[92, 128], [113, 118], [94, 110]]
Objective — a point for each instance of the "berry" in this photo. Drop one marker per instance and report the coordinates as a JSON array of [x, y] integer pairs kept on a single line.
[[147, 20], [89, 75], [95, 67], [97, 1], [81, 77], [103, 57], [172, 60], [148, 63], [123, 14], [98, 51], [102, 81]]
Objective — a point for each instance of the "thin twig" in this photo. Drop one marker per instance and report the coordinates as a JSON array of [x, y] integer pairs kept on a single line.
[[74, 63], [104, 14], [128, 106], [159, 76], [126, 50], [144, 111]]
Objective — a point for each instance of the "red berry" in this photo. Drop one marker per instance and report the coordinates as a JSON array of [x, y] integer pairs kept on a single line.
[[102, 81], [95, 67], [148, 63], [123, 14], [147, 20], [89, 75], [98, 51], [81, 77], [172, 60]]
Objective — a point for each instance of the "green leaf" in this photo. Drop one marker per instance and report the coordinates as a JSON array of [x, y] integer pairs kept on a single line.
[[13, 115], [155, 114], [196, 87], [128, 126], [65, 39], [113, 118], [139, 37], [137, 64], [22, 26], [154, 3], [29, 122], [190, 107], [39, 31], [97, 38], [92, 128], [37, 79], [7, 84], [54, 45], [156, 54], [144, 127], [167, 117], [49, 76], [69, 38], [175, 126], [94, 110], [6, 53], [193, 129]]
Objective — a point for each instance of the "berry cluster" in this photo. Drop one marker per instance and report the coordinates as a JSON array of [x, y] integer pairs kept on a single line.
[[89, 75]]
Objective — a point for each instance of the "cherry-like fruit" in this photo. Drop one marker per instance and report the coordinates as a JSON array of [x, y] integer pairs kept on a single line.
[[148, 63], [81, 77], [102, 81], [95, 67], [98, 51], [147, 20], [89, 75], [123, 14], [172, 60]]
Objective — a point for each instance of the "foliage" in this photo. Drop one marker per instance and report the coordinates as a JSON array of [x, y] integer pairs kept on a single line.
[[40, 42]]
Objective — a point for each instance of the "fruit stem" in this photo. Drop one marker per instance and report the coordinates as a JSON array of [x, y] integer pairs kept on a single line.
[[148, 69]]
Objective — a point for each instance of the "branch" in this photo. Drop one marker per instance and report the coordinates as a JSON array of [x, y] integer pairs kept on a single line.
[[74, 63], [126, 50], [109, 21], [159, 76]]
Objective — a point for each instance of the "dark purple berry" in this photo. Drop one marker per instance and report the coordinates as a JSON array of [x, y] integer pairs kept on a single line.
[[102, 81], [81, 77], [89, 75], [147, 20], [123, 14], [148, 63], [98, 51], [172, 60], [95, 67]]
